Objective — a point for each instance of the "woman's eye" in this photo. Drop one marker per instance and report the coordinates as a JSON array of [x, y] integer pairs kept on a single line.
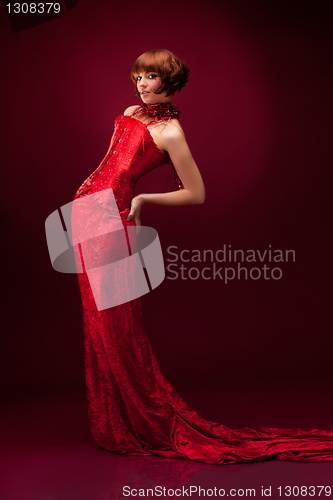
[[152, 76]]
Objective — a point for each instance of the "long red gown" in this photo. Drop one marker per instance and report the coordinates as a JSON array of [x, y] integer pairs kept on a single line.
[[132, 407]]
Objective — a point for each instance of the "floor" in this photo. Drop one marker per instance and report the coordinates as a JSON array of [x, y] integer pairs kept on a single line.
[[47, 452]]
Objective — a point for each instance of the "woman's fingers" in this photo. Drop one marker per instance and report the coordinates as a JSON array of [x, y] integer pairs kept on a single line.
[[137, 220], [130, 215], [135, 210]]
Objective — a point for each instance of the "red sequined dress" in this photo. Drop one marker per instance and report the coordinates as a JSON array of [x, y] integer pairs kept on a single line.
[[132, 407]]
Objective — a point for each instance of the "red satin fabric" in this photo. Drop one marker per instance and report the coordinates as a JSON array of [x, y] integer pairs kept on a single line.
[[132, 407]]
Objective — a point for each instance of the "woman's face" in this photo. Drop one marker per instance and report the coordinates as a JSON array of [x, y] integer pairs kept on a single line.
[[146, 84]]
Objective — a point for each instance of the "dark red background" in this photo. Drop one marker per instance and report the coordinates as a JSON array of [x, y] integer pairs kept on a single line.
[[257, 114]]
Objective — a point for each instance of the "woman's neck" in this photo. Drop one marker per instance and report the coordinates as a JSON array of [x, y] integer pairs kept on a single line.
[[158, 112]]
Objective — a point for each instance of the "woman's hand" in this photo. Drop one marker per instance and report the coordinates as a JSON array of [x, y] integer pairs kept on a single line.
[[136, 205]]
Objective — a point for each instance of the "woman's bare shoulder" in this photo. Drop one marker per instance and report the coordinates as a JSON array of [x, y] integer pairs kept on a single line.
[[130, 110], [173, 130]]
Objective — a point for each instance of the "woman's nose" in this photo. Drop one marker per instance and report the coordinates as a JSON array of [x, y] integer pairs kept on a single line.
[[142, 84]]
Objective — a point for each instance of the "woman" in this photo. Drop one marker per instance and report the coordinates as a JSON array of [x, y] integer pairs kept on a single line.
[[169, 137], [132, 407]]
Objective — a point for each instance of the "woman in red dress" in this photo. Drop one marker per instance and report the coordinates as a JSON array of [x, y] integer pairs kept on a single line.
[[132, 407]]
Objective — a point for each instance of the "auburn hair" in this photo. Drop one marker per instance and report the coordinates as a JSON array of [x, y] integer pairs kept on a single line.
[[173, 72]]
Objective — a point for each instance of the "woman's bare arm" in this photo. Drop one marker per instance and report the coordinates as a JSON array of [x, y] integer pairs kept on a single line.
[[174, 142]]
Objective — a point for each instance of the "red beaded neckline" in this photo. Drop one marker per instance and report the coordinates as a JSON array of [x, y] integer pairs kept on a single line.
[[160, 112]]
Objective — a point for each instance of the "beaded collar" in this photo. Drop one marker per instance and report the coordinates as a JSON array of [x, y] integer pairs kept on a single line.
[[160, 112]]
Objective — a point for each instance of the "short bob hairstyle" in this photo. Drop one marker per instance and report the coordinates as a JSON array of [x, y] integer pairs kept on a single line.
[[173, 72]]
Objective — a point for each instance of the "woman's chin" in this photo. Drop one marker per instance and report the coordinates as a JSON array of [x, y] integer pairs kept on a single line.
[[153, 99], [147, 99]]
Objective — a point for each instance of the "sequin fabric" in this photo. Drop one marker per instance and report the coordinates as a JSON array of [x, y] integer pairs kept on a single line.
[[154, 113], [132, 407]]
